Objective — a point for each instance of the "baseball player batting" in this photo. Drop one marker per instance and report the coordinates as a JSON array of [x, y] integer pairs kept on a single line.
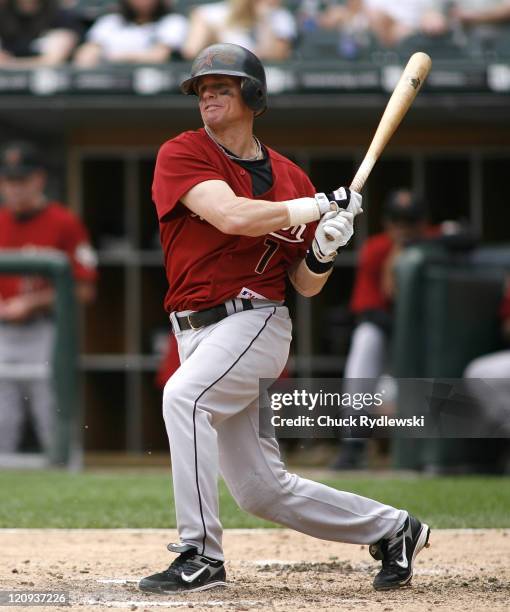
[[236, 218]]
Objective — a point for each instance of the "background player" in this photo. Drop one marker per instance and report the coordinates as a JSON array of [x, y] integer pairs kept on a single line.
[[372, 300], [235, 219], [27, 331]]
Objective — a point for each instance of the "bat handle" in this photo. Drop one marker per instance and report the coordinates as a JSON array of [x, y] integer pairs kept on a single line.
[[363, 173]]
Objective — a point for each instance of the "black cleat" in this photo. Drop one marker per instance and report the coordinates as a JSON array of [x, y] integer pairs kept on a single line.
[[398, 554], [190, 572]]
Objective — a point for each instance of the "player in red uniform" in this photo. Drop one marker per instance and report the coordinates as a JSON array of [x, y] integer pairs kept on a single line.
[[372, 303], [236, 218], [29, 221]]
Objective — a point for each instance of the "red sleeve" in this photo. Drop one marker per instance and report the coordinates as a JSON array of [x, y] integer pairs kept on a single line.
[[181, 164], [75, 242], [169, 364], [367, 294]]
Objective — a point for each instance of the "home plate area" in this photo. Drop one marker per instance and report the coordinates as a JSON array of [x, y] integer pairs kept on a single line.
[[272, 569]]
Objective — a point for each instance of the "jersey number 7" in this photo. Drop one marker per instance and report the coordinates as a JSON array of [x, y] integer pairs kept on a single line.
[[271, 248]]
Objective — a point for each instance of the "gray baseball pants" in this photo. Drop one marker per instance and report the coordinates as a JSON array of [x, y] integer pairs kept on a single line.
[[22, 346], [210, 407]]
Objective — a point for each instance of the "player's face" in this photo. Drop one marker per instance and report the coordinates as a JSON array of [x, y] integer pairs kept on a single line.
[[23, 194], [28, 7], [401, 232], [220, 101]]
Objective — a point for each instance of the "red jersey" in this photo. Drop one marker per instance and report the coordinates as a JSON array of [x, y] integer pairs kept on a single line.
[[204, 266], [169, 364], [367, 293], [55, 227]]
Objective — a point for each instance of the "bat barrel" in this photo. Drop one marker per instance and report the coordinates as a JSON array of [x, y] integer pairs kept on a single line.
[[405, 92]]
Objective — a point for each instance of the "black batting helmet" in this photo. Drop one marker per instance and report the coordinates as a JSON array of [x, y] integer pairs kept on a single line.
[[404, 206], [232, 60]]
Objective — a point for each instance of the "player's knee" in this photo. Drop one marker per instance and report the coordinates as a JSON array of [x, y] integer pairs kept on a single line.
[[174, 398], [258, 498], [256, 503]]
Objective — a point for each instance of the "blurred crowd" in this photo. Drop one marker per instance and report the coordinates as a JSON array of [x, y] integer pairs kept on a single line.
[[48, 32]]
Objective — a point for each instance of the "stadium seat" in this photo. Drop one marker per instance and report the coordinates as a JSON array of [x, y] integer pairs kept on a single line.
[[331, 44], [185, 6], [445, 47], [500, 45], [318, 44], [91, 9]]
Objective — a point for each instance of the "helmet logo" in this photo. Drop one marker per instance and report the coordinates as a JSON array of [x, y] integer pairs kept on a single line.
[[206, 61], [225, 57]]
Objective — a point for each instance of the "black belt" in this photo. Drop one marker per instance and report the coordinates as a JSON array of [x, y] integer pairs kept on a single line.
[[202, 318]]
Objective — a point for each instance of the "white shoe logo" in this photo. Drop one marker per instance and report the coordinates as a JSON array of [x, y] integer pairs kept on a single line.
[[193, 576], [403, 562]]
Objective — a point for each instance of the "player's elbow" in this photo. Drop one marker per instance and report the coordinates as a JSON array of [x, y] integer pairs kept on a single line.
[[305, 284], [308, 291], [304, 290]]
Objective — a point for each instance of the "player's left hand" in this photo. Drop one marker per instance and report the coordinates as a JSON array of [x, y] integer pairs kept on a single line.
[[334, 231], [15, 310]]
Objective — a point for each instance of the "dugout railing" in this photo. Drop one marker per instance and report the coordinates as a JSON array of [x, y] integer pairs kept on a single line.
[[66, 448]]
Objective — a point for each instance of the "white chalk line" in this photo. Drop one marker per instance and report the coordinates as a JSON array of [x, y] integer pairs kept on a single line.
[[194, 603], [171, 603]]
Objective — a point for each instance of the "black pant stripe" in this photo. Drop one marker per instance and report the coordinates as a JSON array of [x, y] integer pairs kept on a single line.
[[195, 429]]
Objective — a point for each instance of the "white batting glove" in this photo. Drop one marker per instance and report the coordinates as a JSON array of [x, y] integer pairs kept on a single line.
[[334, 231], [347, 199]]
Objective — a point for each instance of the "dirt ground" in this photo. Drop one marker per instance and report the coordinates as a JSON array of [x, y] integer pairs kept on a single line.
[[267, 570]]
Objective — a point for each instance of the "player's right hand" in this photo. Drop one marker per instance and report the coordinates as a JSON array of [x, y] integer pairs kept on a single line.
[[334, 231]]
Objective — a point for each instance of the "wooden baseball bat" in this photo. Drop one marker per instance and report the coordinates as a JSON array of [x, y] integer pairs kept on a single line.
[[401, 99]]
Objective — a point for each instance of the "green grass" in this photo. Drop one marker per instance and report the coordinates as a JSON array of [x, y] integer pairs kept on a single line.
[[60, 499]]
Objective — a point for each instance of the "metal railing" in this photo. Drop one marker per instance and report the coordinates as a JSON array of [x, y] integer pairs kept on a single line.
[[55, 266]]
